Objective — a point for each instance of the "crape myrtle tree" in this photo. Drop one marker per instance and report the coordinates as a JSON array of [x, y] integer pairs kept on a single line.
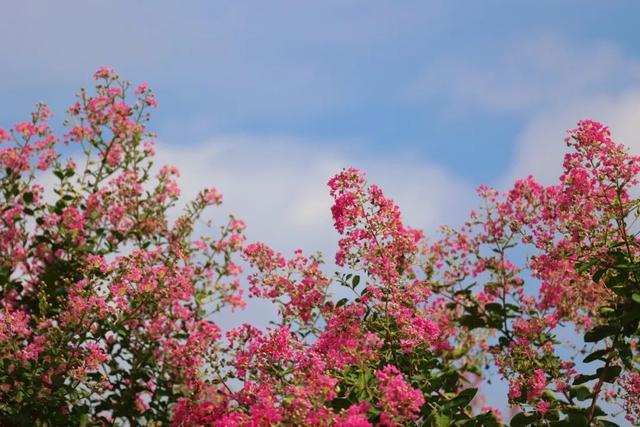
[[107, 302]]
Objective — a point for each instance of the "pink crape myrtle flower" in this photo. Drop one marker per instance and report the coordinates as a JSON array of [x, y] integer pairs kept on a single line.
[[119, 300], [400, 402]]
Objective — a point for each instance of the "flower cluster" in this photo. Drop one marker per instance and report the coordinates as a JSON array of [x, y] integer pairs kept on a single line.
[[298, 280], [631, 399], [103, 302], [109, 303], [400, 402]]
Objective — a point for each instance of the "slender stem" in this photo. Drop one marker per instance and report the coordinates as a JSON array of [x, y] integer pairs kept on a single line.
[[598, 387]]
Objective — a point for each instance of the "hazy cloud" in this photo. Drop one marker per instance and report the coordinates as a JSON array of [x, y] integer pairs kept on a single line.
[[541, 147], [279, 186], [528, 74]]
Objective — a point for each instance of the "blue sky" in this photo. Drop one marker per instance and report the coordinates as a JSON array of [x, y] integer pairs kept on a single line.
[[267, 99], [452, 83]]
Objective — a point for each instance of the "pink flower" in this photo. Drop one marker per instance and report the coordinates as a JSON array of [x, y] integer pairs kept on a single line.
[[355, 416], [4, 135], [104, 73], [399, 401], [543, 407], [213, 196], [515, 390], [631, 396], [95, 356], [537, 384], [142, 88]]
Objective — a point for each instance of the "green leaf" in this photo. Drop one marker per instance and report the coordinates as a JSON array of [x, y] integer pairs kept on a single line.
[[461, 400], [581, 392], [609, 374], [607, 310], [522, 419], [355, 281], [596, 355], [582, 267], [561, 423], [601, 332], [446, 379], [598, 274], [487, 419], [466, 396], [577, 416], [494, 307], [635, 297], [342, 302], [473, 321], [608, 423], [441, 420], [584, 379], [340, 403]]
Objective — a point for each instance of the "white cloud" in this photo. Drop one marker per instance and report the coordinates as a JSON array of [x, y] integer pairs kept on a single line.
[[278, 186], [528, 75], [540, 147], [554, 82], [284, 58]]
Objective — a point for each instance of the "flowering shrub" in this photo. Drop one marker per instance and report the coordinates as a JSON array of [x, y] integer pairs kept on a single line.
[[107, 303]]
